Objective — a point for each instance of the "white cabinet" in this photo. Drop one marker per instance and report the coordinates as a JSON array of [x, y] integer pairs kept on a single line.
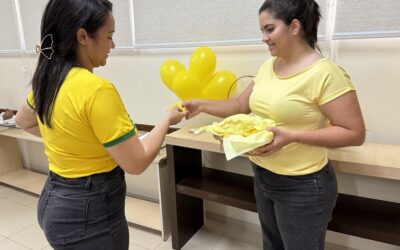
[[148, 198]]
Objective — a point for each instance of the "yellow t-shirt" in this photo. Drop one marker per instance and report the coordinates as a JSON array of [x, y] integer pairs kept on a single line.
[[293, 103], [88, 116]]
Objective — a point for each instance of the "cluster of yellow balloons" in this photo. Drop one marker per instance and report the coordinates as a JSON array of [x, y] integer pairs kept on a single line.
[[199, 81]]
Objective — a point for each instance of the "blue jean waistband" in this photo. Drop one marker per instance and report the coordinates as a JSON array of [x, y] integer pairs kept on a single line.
[[86, 181]]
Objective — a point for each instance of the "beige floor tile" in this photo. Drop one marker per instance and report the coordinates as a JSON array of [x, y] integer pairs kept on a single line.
[[7, 207], [237, 238], [11, 245], [47, 248], [32, 236], [144, 238], [19, 231], [21, 198], [166, 245], [136, 247], [339, 241], [331, 246], [207, 237], [17, 221]]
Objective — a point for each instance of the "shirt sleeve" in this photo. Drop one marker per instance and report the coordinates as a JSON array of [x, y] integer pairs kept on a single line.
[[335, 84], [30, 101], [108, 117], [263, 71]]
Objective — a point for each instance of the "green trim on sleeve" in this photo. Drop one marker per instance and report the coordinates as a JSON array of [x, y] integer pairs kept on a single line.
[[30, 105], [120, 139]]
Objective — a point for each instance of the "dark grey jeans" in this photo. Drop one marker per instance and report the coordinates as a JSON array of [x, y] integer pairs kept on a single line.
[[294, 211], [85, 213]]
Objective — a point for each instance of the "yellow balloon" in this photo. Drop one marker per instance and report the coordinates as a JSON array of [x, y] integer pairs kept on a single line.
[[186, 86], [202, 64], [221, 86], [169, 69]]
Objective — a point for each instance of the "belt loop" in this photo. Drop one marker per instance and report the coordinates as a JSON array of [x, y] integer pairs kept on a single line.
[[51, 176], [88, 182], [51, 181]]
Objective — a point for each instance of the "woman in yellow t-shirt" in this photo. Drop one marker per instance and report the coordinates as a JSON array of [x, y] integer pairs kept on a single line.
[[89, 138], [315, 106]]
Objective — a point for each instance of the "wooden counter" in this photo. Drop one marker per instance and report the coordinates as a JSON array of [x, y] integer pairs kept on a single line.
[[377, 160], [190, 183]]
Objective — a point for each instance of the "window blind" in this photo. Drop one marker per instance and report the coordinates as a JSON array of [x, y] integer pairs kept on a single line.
[[31, 15], [9, 27], [32, 11], [177, 23], [367, 19], [123, 23]]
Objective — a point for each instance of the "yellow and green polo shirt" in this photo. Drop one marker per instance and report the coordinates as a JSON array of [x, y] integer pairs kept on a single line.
[[88, 116]]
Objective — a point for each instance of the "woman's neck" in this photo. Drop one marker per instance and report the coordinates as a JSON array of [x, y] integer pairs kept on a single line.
[[295, 60], [83, 61], [299, 53]]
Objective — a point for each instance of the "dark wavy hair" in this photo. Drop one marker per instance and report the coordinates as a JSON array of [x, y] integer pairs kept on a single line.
[[62, 19], [306, 11]]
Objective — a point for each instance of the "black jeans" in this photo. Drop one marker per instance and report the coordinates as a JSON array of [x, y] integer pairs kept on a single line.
[[85, 213], [294, 211]]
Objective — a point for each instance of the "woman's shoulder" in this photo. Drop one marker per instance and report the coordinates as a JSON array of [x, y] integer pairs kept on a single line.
[[333, 72], [329, 65], [83, 85], [267, 65], [86, 79]]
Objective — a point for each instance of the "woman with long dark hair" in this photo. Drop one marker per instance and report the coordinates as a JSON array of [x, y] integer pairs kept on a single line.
[[89, 138], [315, 106]]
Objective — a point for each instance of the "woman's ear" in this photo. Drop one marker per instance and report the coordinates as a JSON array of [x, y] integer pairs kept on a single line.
[[82, 36], [295, 26]]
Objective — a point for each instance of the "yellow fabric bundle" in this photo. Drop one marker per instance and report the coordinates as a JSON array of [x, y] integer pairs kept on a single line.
[[241, 133]]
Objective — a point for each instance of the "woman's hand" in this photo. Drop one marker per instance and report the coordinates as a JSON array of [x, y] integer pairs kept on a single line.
[[174, 115], [193, 107], [282, 138], [7, 114]]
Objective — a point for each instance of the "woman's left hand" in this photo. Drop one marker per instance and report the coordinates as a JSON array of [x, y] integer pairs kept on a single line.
[[281, 139]]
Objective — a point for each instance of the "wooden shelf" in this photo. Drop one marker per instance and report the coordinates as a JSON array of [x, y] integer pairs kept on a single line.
[[367, 218], [143, 213], [24, 179], [138, 211], [354, 215], [19, 134], [223, 187], [191, 184]]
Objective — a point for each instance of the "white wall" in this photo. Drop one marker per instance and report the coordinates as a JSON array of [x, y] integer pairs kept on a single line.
[[373, 64]]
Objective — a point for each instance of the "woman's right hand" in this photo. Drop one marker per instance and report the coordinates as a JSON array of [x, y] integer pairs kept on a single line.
[[7, 114], [174, 115], [193, 107]]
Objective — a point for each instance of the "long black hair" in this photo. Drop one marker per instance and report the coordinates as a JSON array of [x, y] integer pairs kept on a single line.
[[60, 22], [306, 11]]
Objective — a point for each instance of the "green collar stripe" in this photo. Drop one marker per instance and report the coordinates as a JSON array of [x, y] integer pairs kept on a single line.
[[30, 104], [120, 139]]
